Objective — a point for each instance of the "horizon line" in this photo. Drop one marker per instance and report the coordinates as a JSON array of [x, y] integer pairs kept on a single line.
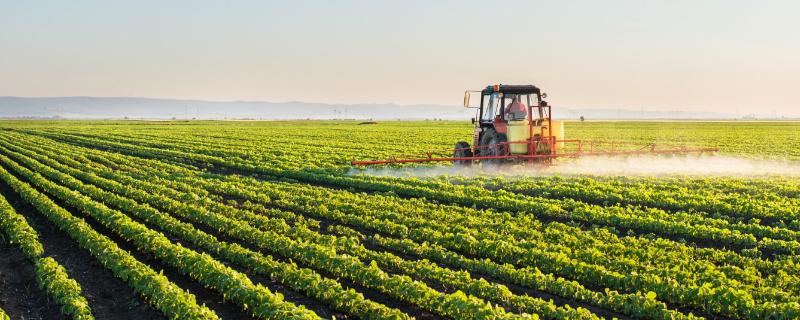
[[570, 109]]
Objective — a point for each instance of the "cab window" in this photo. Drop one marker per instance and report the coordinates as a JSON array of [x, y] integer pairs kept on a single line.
[[492, 106]]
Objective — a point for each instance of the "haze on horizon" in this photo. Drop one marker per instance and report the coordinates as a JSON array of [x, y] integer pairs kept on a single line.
[[716, 56]]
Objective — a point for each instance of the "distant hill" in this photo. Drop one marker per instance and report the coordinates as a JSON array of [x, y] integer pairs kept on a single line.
[[146, 108]]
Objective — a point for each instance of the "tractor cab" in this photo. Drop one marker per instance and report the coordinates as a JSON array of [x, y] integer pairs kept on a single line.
[[509, 121], [496, 102]]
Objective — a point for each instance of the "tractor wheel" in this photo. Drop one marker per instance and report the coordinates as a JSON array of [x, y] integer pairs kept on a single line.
[[492, 145], [498, 148], [486, 139], [462, 150]]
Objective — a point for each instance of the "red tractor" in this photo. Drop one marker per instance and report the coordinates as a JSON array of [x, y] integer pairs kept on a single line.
[[512, 120]]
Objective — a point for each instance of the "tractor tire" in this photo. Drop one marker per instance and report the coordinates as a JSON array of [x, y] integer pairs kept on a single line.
[[492, 145], [486, 138], [462, 150]]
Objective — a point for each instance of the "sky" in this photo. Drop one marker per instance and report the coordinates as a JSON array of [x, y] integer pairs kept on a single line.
[[721, 56]]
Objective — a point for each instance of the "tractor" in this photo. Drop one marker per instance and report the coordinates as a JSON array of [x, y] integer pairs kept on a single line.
[[511, 120]]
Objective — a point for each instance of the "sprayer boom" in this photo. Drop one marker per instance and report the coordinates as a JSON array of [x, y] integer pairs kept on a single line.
[[514, 123], [570, 149]]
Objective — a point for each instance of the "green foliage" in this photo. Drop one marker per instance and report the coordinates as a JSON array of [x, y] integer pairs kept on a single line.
[[170, 299], [50, 275], [53, 278], [19, 232], [284, 206]]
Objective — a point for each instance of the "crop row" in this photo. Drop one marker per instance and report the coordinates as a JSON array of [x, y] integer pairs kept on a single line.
[[50, 276], [452, 305], [368, 224], [774, 211], [419, 269], [234, 286], [246, 145], [164, 295], [693, 227], [427, 193], [704, 292], [707, 297], [152, 187], [523, 236], [682, 225], [721, 257], [300, 279]]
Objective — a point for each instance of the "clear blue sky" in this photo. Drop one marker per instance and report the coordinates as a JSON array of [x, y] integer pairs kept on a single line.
[[654, 55]]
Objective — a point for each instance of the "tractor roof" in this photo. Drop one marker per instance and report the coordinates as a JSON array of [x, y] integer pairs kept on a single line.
[[512, 89]]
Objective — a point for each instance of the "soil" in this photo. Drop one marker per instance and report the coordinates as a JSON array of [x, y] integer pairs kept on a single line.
[[20, 297]]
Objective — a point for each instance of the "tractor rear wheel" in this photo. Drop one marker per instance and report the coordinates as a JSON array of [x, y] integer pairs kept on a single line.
[[462, 150]]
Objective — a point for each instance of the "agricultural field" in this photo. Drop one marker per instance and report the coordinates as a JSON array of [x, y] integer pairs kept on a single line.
[[240, 220]]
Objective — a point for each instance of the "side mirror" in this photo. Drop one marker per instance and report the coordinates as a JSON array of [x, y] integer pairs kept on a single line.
[[466, 99], [544, 95]]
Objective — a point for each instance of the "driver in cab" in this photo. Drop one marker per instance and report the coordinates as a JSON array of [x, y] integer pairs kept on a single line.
[[516, 110]]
